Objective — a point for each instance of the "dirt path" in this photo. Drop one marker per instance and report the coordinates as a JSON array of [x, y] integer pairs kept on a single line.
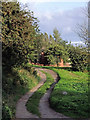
[[21, 111], [44, 108]]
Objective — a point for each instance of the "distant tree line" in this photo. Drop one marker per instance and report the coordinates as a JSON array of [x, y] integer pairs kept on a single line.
[[22, 41]]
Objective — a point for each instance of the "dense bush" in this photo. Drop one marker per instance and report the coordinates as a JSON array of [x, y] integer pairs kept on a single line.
[[18, 28], [16, 83], [6, 112], [79, 58]]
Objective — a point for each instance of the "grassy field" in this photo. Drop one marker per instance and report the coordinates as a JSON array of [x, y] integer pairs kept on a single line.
[[15, 84], [70, 95], [33, 102]]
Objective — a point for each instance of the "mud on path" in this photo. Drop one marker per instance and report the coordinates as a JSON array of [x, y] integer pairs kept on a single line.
[[21, 111]]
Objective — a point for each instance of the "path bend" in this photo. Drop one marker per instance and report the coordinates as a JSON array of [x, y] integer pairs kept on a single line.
[[21, 111], [44, 107]]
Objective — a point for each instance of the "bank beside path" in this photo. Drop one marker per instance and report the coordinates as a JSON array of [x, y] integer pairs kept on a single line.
[[44, 107], [21, 111]]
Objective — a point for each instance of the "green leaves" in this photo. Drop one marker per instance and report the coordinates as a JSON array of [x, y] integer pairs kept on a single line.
[[79, 58], [56, 35], [6, 112], [22, 41], [18, 33], [54, 48]]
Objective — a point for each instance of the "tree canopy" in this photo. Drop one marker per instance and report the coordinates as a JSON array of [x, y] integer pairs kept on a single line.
[[23, 42], [19, 33]]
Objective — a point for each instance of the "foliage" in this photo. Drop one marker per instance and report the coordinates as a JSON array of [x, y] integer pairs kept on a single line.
[[15, 84], [6, 112], [56, 35], [22, 42], [54, 48], [78, 57], [70, 95], [18, 34]]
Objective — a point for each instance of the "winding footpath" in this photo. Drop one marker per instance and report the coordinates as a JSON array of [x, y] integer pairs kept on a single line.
[[21, 111], [44, 108]]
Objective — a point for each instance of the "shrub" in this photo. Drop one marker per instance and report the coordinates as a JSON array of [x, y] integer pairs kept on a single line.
[[6, 112], [79, 58]]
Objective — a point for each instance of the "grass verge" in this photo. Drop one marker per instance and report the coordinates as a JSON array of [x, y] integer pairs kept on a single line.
[[70, 95], [16, 83], [33, 102]]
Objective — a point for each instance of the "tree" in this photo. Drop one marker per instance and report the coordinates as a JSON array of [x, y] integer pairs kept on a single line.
[[46, 41], [37, 47], [78, 57], [56, 49], [82, 29], [83, 32], [56, 35], [18, 34]]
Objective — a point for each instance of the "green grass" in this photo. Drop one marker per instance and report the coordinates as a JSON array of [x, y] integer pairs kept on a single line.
[[15, 84], [33, 102], [50, 67], [75, 103]]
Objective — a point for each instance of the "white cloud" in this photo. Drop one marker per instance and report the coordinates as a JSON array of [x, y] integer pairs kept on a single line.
[[78, 43], [54, 1], [23, 1], [48, 16], [64, 20], [61, 12], [68, 29]]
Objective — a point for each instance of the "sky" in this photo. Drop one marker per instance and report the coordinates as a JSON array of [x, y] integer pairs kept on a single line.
[[61, 15]]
